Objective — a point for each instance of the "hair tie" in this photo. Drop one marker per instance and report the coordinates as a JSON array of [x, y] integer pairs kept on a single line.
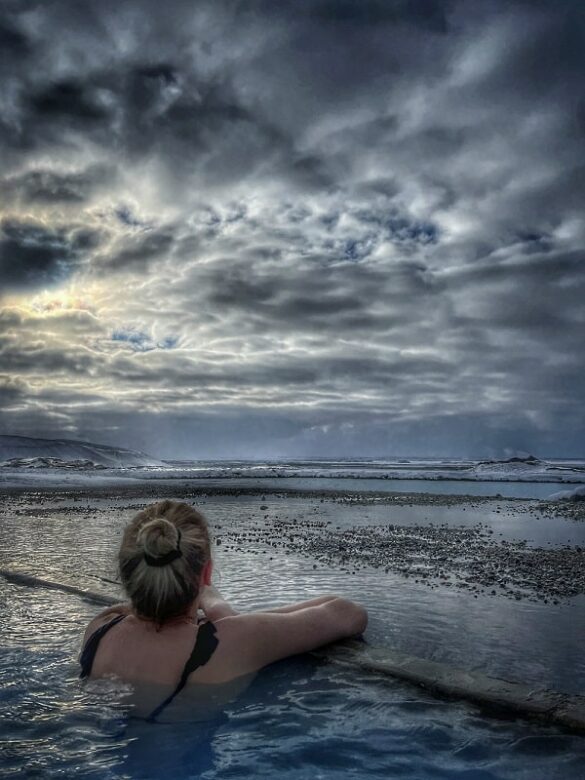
[[167, 558]]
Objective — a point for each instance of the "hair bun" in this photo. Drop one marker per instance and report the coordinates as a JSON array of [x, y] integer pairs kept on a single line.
[[158, 537]]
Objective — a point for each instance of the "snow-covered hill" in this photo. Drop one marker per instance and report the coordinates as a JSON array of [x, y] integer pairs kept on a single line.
[[26, 452]]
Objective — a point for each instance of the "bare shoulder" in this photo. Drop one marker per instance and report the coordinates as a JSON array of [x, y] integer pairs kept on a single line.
[[251, 641], [104, 617]]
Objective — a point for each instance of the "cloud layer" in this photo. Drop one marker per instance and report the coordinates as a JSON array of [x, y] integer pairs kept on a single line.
[[262, 229]]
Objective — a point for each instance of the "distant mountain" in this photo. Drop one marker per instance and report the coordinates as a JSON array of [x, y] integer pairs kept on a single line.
[[62, 451]]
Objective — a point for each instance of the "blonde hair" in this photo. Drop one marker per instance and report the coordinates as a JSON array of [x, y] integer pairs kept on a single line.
[[163, 551]]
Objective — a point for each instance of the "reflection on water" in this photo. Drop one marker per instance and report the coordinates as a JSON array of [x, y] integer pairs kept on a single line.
[[300, 718]]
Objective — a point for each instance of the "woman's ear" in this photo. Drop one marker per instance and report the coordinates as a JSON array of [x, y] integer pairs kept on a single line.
[[206, 572]]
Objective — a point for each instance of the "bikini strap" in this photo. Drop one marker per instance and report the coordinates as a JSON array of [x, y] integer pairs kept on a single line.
[[88, 653], [203, 649]]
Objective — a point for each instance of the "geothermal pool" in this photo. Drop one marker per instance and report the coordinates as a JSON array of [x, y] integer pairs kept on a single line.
[[304, 718]]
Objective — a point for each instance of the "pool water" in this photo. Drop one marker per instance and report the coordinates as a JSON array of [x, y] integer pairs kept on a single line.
[[301, 718]]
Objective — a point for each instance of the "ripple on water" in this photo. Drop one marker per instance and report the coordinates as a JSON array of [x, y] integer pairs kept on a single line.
[[299, 719]]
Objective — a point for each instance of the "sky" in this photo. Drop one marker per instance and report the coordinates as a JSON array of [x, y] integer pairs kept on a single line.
[[294, 228]]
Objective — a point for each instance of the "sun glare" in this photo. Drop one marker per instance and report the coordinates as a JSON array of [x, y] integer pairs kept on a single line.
[[57, 301], [62, 300]]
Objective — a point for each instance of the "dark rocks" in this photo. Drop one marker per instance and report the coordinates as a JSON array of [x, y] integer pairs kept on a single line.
[[468, 557]]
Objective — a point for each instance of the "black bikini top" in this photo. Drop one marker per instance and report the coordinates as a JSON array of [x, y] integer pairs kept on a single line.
[[203, 649]]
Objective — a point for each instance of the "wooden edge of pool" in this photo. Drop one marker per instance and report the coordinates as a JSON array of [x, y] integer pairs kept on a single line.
[[491, 693], [20, 578]]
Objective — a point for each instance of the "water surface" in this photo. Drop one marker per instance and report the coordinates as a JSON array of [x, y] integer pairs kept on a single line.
[[299, 719]]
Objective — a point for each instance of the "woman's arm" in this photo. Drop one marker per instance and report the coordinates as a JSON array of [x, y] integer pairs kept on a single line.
[[264, 637], [216, 607], [299, 605]]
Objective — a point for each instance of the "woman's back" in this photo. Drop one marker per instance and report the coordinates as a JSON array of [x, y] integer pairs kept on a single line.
[[116, 648], [157, 640], [137, 650]]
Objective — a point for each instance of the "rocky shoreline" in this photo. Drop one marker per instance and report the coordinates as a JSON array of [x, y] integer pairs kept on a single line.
[[438, 555]]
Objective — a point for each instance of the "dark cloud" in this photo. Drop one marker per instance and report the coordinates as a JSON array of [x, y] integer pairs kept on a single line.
[[33, 256], [11, 390], [136, 251], [126, 217], [41, 360], [343, 226], [70, 100], [546, 63], [45, 186], [341, 298], [374, 12], [13, 42]]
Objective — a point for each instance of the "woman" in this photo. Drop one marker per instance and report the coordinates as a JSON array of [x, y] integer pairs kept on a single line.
[[157, 640]]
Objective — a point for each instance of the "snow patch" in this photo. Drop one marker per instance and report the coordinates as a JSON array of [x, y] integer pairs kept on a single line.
[[569, 495]]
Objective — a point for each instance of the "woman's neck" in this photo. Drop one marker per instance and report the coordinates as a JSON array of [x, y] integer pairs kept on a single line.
[[189, 616]]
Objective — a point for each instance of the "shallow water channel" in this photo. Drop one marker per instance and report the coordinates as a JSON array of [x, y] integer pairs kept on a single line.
[[468, 487]]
